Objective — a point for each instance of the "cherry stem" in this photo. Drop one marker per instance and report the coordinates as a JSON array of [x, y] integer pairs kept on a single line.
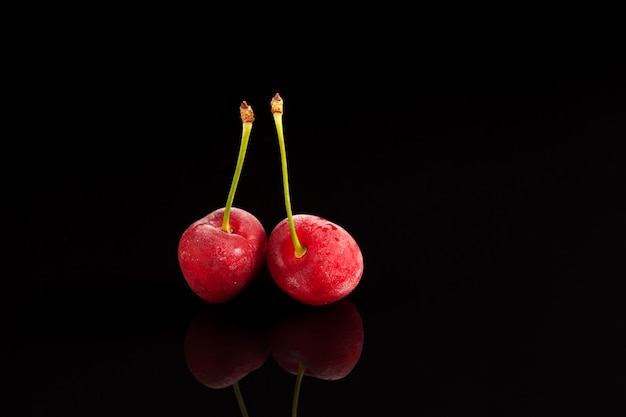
[[247, 117], [242, 405], [277, 111], [296, 391]]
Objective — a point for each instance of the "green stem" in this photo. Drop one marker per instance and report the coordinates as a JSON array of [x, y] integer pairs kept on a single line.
[[299, 249], [296, 391], [245, 136], [242, 405]]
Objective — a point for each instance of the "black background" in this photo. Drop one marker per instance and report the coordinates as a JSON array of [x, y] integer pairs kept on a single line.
[[475, 159]]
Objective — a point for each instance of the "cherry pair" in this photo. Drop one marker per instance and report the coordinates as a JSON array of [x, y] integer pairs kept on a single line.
[[313, 260]]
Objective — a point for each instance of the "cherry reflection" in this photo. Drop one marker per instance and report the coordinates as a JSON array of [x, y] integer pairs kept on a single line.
[[222, 348], [324, 342], [319, 342]]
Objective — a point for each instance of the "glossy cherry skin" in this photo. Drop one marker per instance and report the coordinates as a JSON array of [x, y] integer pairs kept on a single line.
[[326, 340], [330, 269], [218, 265], [221, 350]]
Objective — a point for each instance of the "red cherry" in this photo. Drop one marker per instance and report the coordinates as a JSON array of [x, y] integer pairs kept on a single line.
[[220, 254], [325, 341], [221, 351], [329, 270], [218, 265], [312, 259]]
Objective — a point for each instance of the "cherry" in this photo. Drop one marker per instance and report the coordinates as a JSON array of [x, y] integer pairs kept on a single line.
[[221, 349], [312, 259], [221, 253]]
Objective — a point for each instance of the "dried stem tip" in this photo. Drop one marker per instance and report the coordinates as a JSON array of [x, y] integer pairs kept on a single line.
[[247, 115], [277, 104]]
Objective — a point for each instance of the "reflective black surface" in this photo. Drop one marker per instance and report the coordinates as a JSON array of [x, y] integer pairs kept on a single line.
[[483, 184]]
